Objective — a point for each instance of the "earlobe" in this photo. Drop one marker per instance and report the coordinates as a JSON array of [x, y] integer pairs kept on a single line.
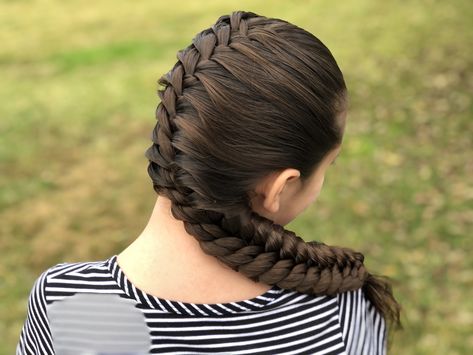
[[272, 199], [272, 204]]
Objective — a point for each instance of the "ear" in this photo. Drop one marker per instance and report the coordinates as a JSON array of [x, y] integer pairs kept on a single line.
[[275, 186]]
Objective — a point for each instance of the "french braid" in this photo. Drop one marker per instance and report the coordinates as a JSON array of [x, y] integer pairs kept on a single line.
[[247, 242]]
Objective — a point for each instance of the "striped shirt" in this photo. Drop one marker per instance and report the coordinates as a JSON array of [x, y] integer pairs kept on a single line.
[[91, 307]]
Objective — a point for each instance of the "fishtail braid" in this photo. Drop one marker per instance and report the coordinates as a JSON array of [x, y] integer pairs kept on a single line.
[[240, 238]]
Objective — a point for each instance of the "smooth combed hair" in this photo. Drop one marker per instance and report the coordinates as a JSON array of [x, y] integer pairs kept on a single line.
[[250, 96]]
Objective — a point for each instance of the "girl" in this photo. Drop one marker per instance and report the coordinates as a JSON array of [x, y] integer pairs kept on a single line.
[[251, 117]]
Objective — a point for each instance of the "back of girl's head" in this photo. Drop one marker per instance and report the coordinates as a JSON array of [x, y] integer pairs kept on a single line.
[[250, 96]]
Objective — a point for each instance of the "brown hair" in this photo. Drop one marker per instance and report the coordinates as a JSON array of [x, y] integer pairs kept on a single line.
[[252, 95]]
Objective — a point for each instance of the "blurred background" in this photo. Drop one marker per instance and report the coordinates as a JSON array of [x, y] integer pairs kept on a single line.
[[77, 101]]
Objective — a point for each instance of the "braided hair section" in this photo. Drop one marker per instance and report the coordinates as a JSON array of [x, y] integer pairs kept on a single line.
[[185, 163]]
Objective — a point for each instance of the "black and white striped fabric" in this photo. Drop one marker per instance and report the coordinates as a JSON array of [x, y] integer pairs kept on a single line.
[[92, 308]]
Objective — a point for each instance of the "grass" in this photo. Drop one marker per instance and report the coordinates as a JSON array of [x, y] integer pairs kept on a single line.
[[78, 96]]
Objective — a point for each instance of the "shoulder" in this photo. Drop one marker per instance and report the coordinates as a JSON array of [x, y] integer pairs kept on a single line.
[[46, 275], [69, 278], [56, 282], [363, 327], [35, 335], [72, 268], [38, 290]]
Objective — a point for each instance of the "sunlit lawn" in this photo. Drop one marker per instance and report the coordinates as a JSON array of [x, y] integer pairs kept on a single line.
[[78, 94]]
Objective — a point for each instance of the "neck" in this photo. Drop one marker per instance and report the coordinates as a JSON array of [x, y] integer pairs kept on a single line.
[[164, 251], [168, 262]]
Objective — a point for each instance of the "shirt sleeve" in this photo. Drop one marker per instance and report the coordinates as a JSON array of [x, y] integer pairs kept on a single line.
[[363, 327], [35, 336]]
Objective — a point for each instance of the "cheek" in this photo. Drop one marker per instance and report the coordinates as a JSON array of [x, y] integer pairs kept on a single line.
[[301, 203], [317, 190], [318, 187]]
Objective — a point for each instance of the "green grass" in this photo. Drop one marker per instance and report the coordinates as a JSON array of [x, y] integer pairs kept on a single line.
[[78, 97]]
